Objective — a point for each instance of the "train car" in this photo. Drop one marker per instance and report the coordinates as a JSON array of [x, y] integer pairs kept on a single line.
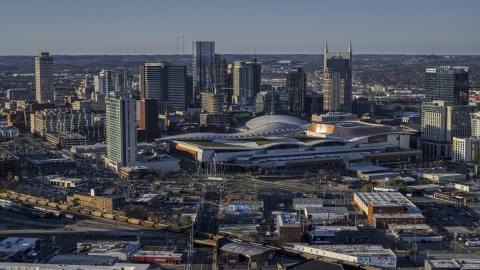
[[54, 213], [5, 202], [37, 213]]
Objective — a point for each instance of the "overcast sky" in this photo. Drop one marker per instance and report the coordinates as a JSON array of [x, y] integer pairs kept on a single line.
[[278, 27]]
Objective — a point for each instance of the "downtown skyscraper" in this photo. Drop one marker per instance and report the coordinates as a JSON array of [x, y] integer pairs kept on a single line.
[[44, 78], [164, 82], [337, 80], [121, 130], [203, 67], [448, 84], [297, 90]]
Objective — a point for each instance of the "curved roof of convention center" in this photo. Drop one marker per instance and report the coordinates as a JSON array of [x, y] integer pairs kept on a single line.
[[268, 125], [279, 119]]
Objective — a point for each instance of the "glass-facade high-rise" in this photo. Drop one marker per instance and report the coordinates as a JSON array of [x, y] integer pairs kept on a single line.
[[44, 77], [337, 81], [164, 82], [297, 90], [447, 84], [203, 67]]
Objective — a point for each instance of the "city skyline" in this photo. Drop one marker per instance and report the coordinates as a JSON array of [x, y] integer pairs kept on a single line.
[[375, 27]]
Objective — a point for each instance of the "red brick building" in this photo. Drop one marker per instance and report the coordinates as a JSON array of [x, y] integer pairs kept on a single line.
[[289, 226]]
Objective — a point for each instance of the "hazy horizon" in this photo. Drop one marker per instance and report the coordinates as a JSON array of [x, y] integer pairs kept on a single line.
[[270, 27]]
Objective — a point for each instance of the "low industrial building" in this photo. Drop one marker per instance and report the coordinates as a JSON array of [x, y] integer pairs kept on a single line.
[[235, 254], [326, 213], [123, 250], [65, 139], [157, 255], [458, 198], [414, 232], [378, 176], [347, 235], [452, 264], [299, 204], [39, 163], [77, 259], [372, 255], [64, 182], [383, 220], [288, 225], [440, 176], [245, 206], [364, 169], [431, 188], [16, 246], [133, 172], [467, 187], [146, 199], [106, 203], [386, 203]]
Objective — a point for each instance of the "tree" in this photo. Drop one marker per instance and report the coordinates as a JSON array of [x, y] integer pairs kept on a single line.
[[10, 176], [186, 221], [367, 187], [321, 174], [440, 163], [136, 194], [53, 199], [306, 176], [260, 171]]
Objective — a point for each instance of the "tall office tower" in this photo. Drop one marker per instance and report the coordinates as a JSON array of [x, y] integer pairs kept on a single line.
[[189, 90], [109, 80], [203, 67], [147, 120], [297, 90], [441, 121], [212, 102], [337, 80], [99, 84], [271, 102], [447, 84], [220, 75], [246, 82], [121, 130], [122, 80], [164, 82], [44, 77], [257, 76], [229, 83]]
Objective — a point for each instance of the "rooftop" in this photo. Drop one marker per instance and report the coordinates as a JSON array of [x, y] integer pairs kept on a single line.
[[288, 219], [326, 209], [244, 249], [468, 264], [76, 259], [66, 135], [16, 244], [399, 215], [307, 201], [443, 264], [351, 250], [145, 198], [387, 199]]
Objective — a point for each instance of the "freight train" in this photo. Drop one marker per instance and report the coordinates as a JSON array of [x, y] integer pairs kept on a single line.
[[33, 211]]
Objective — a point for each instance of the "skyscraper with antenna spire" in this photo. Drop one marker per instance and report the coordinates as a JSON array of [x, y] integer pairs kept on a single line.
[[337, 80]]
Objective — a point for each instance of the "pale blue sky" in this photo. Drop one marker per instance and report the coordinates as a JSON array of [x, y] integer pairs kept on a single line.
[[288, 27]]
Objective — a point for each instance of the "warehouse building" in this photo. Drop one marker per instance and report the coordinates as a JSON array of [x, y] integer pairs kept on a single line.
[[299, 204], [326, 213], [373, 255], [157, 255]]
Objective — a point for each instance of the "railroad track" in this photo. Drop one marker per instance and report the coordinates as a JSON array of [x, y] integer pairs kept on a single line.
[[280, 185]]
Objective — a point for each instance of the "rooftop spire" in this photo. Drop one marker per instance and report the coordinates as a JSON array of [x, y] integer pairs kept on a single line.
[[326, 47], [350, 46]]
